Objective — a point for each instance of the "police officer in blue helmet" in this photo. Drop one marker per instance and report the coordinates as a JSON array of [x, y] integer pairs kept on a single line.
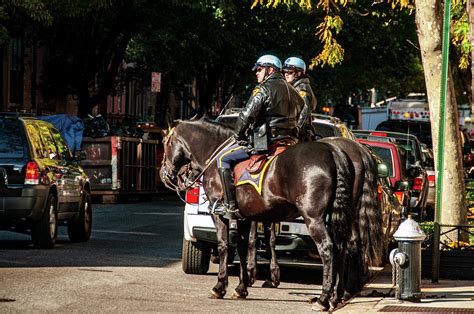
[[270, 115], [295, 74]]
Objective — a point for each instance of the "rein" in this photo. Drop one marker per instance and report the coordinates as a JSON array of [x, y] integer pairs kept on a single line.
[[182, 184]]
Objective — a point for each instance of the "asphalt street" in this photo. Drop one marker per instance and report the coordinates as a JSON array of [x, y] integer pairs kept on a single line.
[[132, 263]]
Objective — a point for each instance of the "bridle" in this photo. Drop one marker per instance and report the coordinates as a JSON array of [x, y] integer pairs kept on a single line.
[[184, 176]]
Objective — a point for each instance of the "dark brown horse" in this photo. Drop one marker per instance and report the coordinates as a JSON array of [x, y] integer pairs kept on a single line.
[[299, 182], [365, 247]]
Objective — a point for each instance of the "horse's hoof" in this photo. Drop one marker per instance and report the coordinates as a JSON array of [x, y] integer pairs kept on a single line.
[[320, 306], [239, 295], [312, 300], [216, 294], [270, 284]]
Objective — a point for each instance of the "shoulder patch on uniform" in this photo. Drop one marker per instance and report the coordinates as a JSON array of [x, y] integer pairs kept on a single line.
[[255, 91], [303, 93]]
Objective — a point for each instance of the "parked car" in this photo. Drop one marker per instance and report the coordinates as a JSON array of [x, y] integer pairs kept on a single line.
[[390, 202], [428, 160], [420, 129], [327, 126], [394, 158], [414, 167], [41, 184], [293, 243]]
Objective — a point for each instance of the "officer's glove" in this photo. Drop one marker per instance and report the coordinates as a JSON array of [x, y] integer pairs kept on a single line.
[[241, 139]]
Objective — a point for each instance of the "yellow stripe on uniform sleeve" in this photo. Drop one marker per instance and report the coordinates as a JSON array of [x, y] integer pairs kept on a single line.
[[255, 91]]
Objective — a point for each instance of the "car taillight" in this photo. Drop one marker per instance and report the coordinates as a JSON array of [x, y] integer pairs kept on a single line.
[[192, 196], [432, 180], [32, 173], [400, 195], [378, 133], [417, 183]]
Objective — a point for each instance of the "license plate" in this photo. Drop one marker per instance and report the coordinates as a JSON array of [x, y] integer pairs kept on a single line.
[[260, 228]]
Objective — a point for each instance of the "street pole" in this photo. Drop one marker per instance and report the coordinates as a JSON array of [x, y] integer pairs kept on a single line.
[[441, 140]]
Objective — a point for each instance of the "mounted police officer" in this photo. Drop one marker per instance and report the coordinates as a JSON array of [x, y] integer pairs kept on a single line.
[[295, 74], [270, 114]]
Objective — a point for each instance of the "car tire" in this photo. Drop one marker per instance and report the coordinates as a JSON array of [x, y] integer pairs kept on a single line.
[[45, 231], [196, 257], [79, 229]]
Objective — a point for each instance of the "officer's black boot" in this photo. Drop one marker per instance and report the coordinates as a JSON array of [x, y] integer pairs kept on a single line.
[[229, 203]]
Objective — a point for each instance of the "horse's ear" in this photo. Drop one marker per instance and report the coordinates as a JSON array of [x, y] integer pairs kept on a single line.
[[174, 124], [195, 117]]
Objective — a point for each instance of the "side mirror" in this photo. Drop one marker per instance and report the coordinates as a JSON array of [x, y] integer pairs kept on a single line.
[[401, 186], [382, 170], [80, 155]]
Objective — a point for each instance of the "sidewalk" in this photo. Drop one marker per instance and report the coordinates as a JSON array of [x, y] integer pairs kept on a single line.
[[446, 296]]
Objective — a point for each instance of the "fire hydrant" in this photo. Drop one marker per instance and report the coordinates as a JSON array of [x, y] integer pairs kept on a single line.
[[406, 260]]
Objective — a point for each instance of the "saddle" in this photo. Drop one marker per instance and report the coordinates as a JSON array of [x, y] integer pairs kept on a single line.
[[252, 171]]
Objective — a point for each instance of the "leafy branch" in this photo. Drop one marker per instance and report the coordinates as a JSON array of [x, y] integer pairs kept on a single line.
[[332, 53]]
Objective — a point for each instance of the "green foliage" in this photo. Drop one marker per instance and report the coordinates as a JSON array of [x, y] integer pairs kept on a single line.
[[428, 229], [212, 43], [14, 14]]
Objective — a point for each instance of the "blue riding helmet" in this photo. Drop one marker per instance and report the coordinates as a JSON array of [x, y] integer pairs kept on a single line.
[[268, 60], [295, 63]]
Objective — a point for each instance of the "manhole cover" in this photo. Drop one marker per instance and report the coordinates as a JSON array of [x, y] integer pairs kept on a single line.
[[419, 309]]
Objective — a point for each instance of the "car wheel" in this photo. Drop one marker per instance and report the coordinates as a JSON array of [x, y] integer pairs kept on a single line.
[[195, 257], [45, 231], [79, 229]]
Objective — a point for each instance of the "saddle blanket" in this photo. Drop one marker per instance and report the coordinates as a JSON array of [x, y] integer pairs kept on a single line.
[[252, 171]]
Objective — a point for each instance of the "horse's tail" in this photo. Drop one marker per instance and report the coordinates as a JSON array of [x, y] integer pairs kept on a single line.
[[370, 214], [342, 213]]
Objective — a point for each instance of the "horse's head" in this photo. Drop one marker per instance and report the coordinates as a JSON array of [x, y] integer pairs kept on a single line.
[[175, 167], [187, 149]]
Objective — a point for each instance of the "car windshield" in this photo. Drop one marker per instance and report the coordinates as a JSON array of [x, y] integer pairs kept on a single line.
[[422, 130], [12, 140], [386, 155]]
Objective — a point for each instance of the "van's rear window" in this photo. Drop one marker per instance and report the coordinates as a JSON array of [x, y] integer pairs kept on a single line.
[[12, 140]]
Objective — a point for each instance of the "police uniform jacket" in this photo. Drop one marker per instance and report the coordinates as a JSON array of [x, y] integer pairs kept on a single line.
[[275, 103], [306, 92]]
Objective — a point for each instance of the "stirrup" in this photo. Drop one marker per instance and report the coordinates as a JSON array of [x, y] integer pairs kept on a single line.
[[218, 208]]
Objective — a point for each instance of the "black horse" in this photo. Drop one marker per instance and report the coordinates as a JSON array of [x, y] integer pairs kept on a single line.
[[312, 180], [367, 224]]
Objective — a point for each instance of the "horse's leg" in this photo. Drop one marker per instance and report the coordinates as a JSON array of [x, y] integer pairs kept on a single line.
[[270, 238], [355, 270], [252, 254], [339, 264], [318, 232], [219, 289], [244, 226]]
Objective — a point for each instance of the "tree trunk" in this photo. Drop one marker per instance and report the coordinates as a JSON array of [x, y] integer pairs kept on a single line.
[[470, 11], [429, 21]]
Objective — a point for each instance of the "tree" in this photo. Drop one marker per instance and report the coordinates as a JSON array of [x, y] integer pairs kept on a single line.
[[15, 15], [429, 17]]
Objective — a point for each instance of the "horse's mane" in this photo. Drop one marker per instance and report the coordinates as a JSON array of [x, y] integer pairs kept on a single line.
[[219, 129]]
